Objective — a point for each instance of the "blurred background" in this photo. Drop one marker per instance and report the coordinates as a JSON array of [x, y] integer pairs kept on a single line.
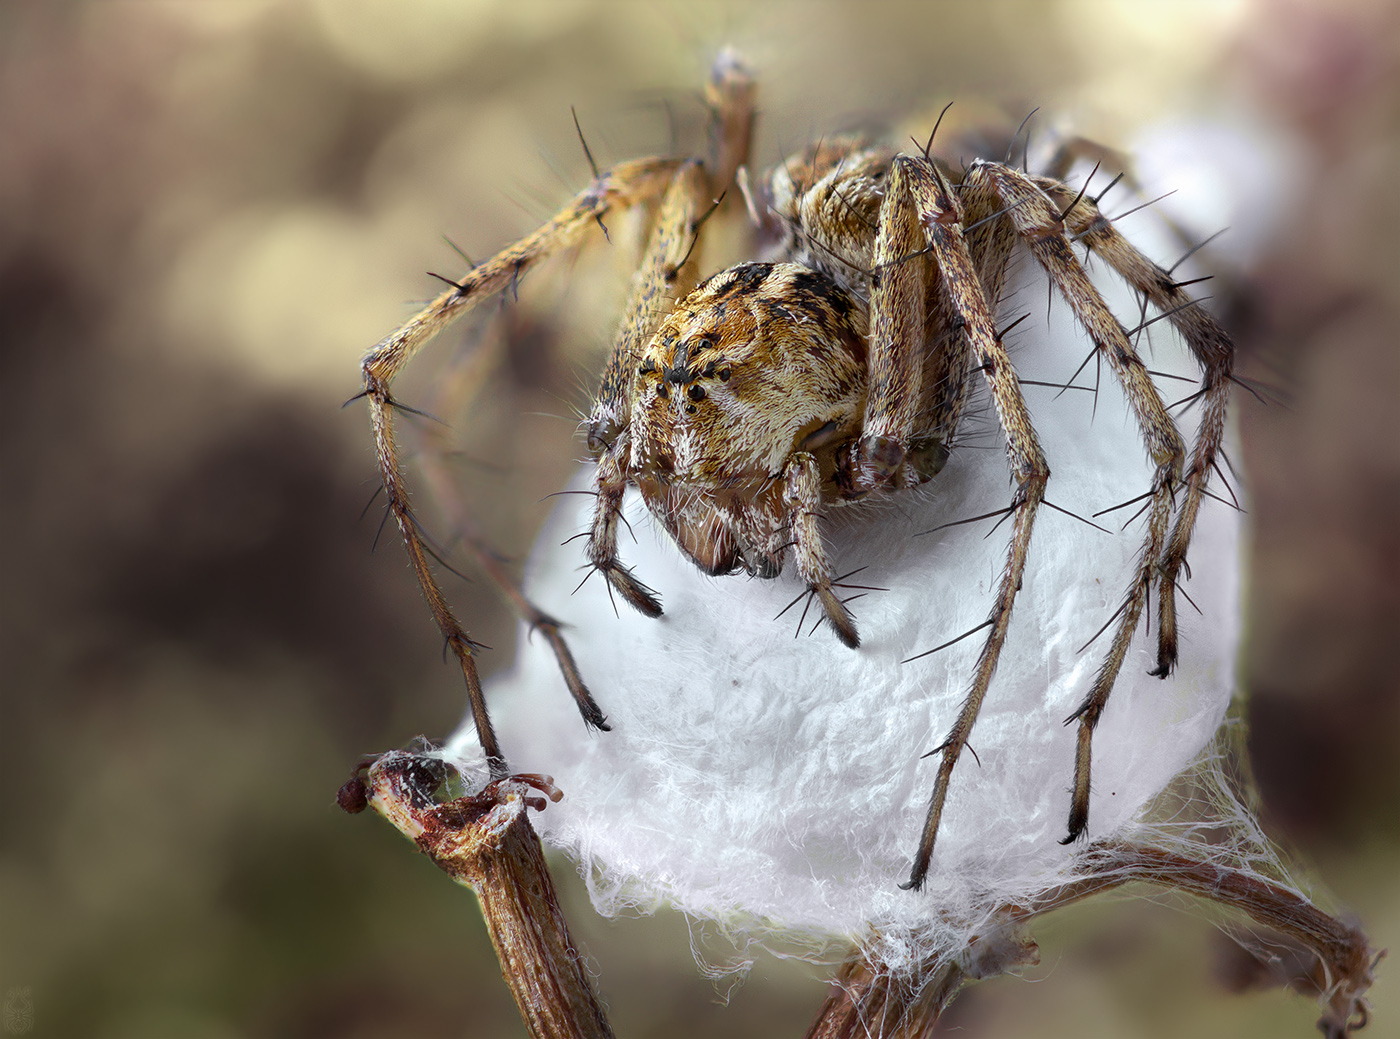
[[209, 209]]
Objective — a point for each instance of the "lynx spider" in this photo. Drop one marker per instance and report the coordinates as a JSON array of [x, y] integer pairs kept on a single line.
[[744, 405]]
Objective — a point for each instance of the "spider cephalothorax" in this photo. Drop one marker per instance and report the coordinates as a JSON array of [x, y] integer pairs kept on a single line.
[[837, 368], [763, 364]]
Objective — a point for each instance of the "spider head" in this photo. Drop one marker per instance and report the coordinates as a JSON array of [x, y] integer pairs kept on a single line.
[[760, 362], [742, 373]]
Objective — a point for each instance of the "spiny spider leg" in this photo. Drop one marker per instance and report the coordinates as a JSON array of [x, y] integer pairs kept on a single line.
[[1070, 151], [1041, 227], [730, 94], [929, 196], [667, 273], [443, 490], [1213, 351], [629, 184]]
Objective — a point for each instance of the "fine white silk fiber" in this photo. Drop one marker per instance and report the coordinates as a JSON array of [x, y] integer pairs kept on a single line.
[[771, 780]]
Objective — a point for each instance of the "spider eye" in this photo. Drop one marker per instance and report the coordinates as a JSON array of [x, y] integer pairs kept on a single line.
[[696, 392], [724, 375], [662, 391], [690, 409]]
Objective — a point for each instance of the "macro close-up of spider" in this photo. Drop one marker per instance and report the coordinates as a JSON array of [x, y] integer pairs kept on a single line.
[[835, 368], [947, 453]]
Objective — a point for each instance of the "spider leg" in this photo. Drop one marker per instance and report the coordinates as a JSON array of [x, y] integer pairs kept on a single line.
[[1213, 350], [444, 491], [729, 93], [628, 185], [802, 497], [1070, 151], [920, 190], [897, 322], [1040, 225], [667, 271]]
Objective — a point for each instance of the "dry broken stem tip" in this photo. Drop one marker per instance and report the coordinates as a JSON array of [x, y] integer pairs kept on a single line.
[[486, 842]]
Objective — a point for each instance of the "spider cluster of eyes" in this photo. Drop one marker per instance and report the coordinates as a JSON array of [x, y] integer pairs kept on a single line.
[[695, 392]]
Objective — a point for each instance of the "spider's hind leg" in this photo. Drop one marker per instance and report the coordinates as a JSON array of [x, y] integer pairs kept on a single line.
[[1023, 199], [1213, 350]]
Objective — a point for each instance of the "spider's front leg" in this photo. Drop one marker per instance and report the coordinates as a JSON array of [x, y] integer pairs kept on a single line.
[[667, 272], [802, 499], [628, 185], [921, 212], [730, 94]]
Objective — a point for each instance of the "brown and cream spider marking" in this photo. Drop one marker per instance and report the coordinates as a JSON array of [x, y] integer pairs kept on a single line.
[[835, 370]]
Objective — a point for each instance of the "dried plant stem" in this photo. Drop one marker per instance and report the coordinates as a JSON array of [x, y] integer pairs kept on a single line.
[[1342, 960], [868, 1003], [486, 842], [1337, 958]]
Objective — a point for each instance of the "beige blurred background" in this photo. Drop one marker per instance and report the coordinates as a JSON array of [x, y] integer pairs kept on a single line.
[[209, 209]]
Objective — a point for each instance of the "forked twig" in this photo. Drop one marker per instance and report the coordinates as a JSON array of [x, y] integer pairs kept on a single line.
[[486, 842], [868, 1001]]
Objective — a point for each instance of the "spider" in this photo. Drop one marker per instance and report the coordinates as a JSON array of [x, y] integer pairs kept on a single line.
[[834, 371]]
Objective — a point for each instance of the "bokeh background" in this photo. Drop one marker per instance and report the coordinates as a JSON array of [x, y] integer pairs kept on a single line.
[[209, 209]]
